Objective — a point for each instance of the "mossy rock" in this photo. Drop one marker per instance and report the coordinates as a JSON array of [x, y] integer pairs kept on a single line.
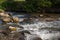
[[1, 10]]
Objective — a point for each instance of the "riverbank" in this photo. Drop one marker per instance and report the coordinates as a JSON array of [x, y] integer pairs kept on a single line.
[[49, 14]]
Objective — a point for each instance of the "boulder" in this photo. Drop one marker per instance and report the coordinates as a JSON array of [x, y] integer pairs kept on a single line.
[[6, 20], [4, 15], [49, 19], [12, 28], [15, 19]]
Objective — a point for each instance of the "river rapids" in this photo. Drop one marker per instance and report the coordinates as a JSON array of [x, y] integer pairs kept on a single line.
[[44, 30]]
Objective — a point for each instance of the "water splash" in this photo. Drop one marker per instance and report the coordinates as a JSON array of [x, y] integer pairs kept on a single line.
[[44, 30]]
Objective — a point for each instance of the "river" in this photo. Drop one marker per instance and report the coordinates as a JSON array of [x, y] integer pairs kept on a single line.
[[43, 29]]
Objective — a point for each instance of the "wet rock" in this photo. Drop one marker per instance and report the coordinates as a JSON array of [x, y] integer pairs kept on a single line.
[[15, 19], [49, 19], [6, 20], [34, 37], [37, 38], [4, 15]]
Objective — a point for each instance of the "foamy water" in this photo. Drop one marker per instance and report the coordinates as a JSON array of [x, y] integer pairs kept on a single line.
[[43, 30]]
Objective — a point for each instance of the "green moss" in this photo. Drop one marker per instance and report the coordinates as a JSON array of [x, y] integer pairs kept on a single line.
[[1, 10], [19, 0]]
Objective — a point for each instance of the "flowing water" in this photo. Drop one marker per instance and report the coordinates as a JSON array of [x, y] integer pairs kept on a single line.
[[43, 29]]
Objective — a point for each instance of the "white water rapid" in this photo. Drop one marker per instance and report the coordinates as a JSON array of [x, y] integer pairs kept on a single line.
[[44, 30]]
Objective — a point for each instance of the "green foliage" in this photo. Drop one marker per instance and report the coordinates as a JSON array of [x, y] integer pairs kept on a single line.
[[45, 3], [36, 5], [19, 0], [27, 5], [8, 5], [55, 3], [1, 10], [1, 1]]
